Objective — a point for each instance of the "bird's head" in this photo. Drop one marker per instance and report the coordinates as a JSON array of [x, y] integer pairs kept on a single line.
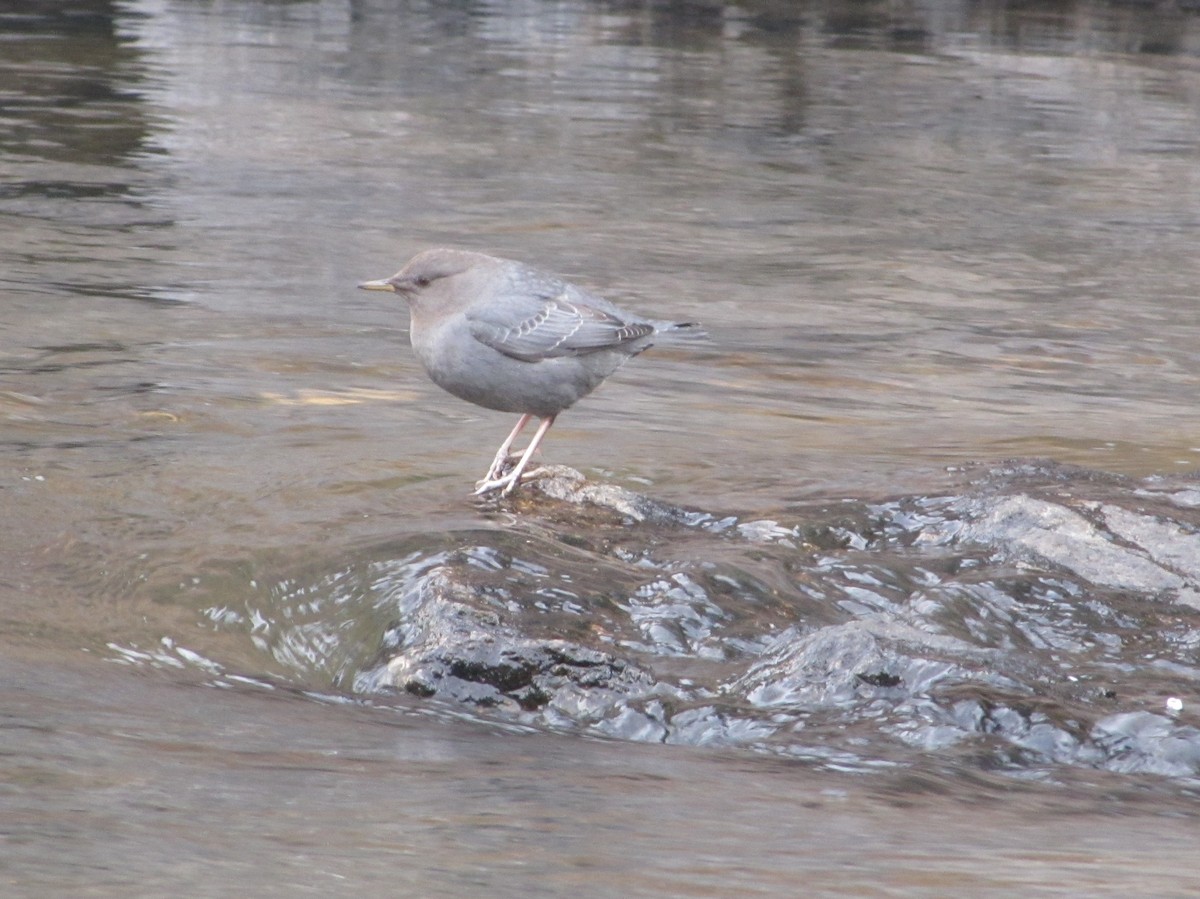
[[424, 271]]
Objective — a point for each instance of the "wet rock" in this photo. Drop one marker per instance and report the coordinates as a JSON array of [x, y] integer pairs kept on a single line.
[[570, 486], [1100, 543], [449, 644], [1169, 545], [1145, 743], [834, 666], [1033, 620]]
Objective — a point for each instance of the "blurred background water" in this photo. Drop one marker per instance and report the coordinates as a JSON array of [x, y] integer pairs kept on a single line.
[[925, 238]]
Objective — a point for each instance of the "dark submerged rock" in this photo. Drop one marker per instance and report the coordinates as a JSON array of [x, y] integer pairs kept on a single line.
[[1041, 617], [449, 643]]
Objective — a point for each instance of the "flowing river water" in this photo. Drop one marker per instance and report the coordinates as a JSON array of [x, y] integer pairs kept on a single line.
[[904, 598]]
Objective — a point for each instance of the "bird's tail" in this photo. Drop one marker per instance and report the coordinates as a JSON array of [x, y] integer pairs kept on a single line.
[[680, 330]]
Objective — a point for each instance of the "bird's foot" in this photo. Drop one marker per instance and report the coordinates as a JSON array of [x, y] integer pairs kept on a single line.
[[505, 484], [508, 483], [499, 464]]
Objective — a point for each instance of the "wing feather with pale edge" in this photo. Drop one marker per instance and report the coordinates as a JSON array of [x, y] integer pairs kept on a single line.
[[558, 328]]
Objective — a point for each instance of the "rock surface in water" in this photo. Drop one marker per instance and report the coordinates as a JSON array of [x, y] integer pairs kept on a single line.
[[1042, 617]]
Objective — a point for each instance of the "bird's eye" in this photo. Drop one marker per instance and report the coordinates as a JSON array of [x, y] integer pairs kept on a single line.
[[422, 281]]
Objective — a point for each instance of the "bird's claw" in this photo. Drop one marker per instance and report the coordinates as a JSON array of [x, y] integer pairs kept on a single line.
[[487, 485], [498, 466], [508, 482]]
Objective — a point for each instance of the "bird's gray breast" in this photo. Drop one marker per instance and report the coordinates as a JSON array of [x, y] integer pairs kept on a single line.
[[458, 361]]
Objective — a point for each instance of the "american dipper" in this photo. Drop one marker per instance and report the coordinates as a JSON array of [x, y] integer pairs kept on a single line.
[[505, 336]]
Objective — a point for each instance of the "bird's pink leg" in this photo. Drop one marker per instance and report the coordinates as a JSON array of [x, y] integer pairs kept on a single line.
[[509, 481], [502, 453], [516, 473]]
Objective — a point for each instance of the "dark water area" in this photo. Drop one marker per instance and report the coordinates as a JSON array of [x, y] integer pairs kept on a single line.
[[891, 587]]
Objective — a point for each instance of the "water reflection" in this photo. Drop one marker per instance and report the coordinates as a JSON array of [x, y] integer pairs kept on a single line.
[[68, 86]]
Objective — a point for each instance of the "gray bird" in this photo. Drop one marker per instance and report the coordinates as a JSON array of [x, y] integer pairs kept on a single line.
[[505, 336]]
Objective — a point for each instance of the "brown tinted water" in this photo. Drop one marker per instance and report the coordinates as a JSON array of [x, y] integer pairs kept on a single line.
[[921, 240]]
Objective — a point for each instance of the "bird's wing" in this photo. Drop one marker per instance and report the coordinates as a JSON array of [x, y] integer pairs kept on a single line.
[[556, 326]]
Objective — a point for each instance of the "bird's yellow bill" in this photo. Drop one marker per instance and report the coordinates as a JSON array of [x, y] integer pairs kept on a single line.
[[381, 284]]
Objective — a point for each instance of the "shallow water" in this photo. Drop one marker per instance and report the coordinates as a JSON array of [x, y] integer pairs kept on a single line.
[[923, 241]]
